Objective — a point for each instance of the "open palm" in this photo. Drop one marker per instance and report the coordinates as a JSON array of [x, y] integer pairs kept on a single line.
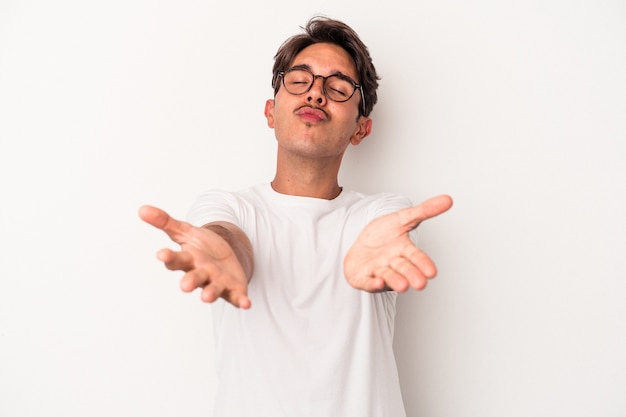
[[383, 255], [208, 260]]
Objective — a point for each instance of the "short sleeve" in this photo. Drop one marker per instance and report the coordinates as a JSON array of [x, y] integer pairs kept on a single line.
[[212, 206]]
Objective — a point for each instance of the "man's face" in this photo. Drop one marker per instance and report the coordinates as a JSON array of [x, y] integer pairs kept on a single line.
[[310, 124]]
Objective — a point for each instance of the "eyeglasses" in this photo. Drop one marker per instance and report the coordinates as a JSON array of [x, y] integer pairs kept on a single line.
[[337, 87]]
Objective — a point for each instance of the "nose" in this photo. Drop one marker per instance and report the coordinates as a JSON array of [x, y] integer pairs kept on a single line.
[[316, 92]]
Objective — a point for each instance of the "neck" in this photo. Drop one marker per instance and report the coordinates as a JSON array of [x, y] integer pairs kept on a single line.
[[317, 180], [312, 190]]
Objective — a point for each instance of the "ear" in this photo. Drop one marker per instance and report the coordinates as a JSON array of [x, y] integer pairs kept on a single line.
[[269, 112], [363, 129]]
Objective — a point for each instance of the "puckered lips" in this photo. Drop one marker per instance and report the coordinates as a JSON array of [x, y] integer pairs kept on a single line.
[[311, 115]]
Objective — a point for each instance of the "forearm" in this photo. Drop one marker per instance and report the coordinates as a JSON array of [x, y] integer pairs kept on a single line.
[[239, 243]]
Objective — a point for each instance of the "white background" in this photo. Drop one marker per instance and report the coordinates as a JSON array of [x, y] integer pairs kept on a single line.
[[516, 109]]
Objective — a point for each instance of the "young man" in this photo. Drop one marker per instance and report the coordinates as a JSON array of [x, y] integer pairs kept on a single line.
[[314, 269]]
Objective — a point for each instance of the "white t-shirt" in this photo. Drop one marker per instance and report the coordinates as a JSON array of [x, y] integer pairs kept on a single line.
[[310, 345]]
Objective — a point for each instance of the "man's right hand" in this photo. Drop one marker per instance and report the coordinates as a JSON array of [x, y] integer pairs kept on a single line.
[[206, 256]]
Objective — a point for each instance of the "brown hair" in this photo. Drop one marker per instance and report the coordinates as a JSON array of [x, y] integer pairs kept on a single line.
[[324, 30]]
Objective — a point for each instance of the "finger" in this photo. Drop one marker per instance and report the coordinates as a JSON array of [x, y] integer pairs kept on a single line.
[[161, 220], [153, 215], [421, 261], [212, 292], [411, 273], [411, 217], [194, 279], [393, 279], [369, 284], [239, 299], [176, 261]]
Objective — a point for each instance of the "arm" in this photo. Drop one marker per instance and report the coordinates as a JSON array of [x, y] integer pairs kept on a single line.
[[239, 243], [384, 257], [217, 257]]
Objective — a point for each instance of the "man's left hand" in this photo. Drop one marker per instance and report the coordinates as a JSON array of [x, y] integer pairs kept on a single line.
[[385, 258]]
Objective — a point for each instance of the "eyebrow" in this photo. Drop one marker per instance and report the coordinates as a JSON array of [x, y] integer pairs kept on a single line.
[[337, 73], [301, 66]]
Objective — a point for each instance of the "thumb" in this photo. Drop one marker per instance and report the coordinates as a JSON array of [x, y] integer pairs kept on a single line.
[[154, 216], [161, 220], [411, 217]]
